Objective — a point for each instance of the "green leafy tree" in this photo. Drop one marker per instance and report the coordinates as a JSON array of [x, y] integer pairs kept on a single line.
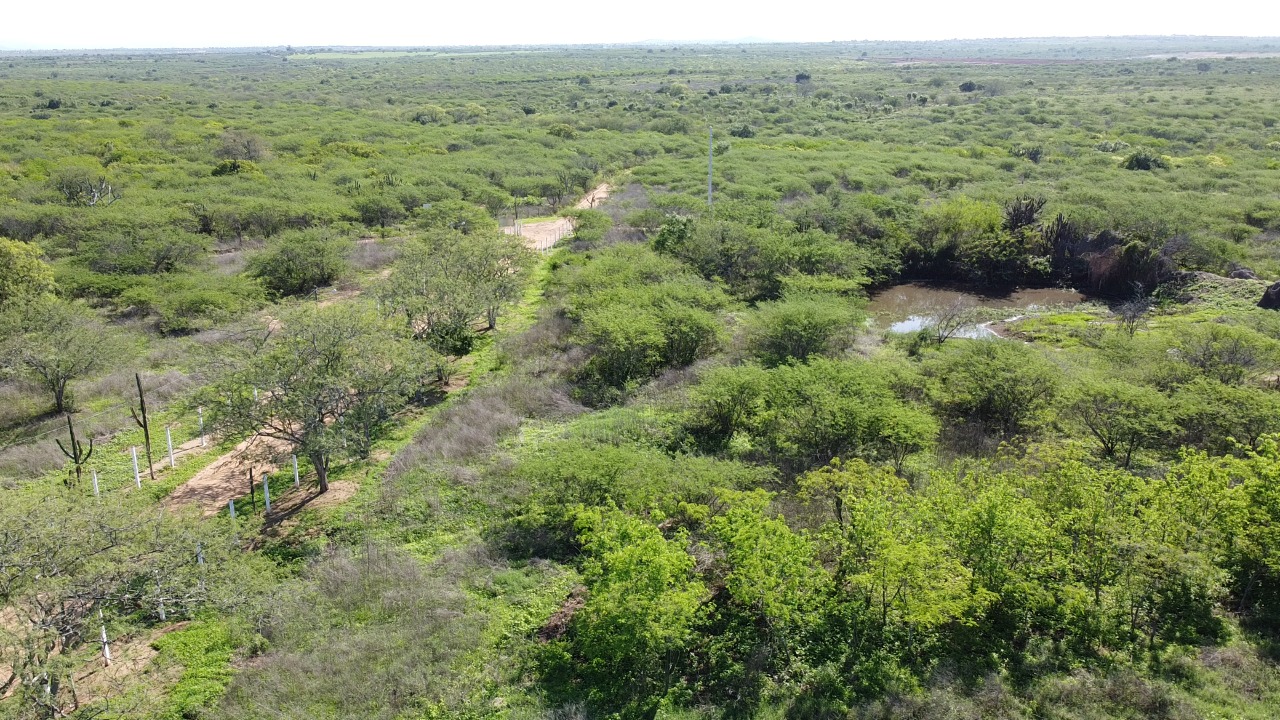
[[798, 326], [774, 594], [498, 269], [379, 210], [1255, 559], [755, 261], [909, 580], [1214, 416], [74, 566], [463, 217], [188, 302], [327, 383], [53, 342], [626, 345], [644, 598], [810, 414], [1229, 354], [589, 226], [300, 261], [637, 313], [23, 272], [1144, 159], [634, 334], [433, 288], [142, 251], [1004, 385], [725, 401], [1122, 417]]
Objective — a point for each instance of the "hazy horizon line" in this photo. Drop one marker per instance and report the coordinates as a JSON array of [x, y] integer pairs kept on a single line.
[[638, 43]]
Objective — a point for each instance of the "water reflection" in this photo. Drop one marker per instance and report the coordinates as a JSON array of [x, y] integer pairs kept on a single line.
[[914, 306], [920, 322]]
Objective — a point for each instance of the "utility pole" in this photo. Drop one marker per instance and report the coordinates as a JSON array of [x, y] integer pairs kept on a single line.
[[711, 145]]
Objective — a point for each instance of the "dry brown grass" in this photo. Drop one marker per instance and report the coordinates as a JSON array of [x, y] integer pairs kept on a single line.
[[474, 425], [414, 626]]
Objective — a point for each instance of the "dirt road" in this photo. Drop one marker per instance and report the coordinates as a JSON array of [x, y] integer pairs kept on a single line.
[[227, 477], [543, 236]]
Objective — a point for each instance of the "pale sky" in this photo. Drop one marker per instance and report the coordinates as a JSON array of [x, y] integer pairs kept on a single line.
[[45, 24]]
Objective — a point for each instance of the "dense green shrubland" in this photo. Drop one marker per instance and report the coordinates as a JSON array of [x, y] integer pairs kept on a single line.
[[692, 479]]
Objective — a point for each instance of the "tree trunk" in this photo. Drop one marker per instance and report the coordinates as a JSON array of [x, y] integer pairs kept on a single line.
[[60, 396], [321, 464]]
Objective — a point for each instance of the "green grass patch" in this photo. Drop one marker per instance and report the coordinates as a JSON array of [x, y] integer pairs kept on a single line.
[[203, 649], [1066, 329]]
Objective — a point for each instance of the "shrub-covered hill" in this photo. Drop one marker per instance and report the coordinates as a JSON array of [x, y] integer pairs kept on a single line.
[[676, 467]]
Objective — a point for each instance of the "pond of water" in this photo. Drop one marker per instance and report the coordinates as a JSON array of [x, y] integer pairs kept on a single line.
[[912, 306]]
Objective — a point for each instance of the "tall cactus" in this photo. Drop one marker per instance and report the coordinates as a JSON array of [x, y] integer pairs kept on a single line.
[[144, 423], [77, 454]]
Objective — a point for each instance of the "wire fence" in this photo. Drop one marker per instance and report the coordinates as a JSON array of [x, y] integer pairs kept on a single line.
[[58, 424]]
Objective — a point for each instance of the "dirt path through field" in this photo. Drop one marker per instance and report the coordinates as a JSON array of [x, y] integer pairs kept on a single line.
[[227, 478], [543, 236]]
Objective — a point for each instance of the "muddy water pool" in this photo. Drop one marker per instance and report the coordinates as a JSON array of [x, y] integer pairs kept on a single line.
[[912, 306]]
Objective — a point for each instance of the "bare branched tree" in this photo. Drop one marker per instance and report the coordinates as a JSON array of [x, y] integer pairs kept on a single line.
[[140, 418], [1132, 314], [78, 187], [951, 318], [239, 145]]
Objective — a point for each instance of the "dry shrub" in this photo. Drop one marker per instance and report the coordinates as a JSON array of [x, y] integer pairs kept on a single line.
[[1241, 669], [19, 403], [1152, 699], [574, 711], [120, 388], [30, 461], [402, 654], [947, 699], [230, 263], [543, 349], [368, 256], [474, 425], [41, 454], [968, 439], [624, 201], [619, 235], [1123, 692]]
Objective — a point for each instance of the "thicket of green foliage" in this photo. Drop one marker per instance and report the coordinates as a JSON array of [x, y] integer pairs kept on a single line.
[[690, 477]]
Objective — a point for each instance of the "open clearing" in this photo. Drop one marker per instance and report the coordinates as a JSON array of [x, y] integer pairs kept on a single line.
[[542, 236]]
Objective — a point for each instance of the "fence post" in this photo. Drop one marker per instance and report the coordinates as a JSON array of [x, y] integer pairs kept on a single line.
[[137, 478], [266, 492], [106, 647], [295, 471], [95, 482], [168, 438]]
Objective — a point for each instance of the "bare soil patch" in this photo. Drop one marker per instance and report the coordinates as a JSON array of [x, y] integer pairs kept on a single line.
[[543, 236], [227, 478]]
